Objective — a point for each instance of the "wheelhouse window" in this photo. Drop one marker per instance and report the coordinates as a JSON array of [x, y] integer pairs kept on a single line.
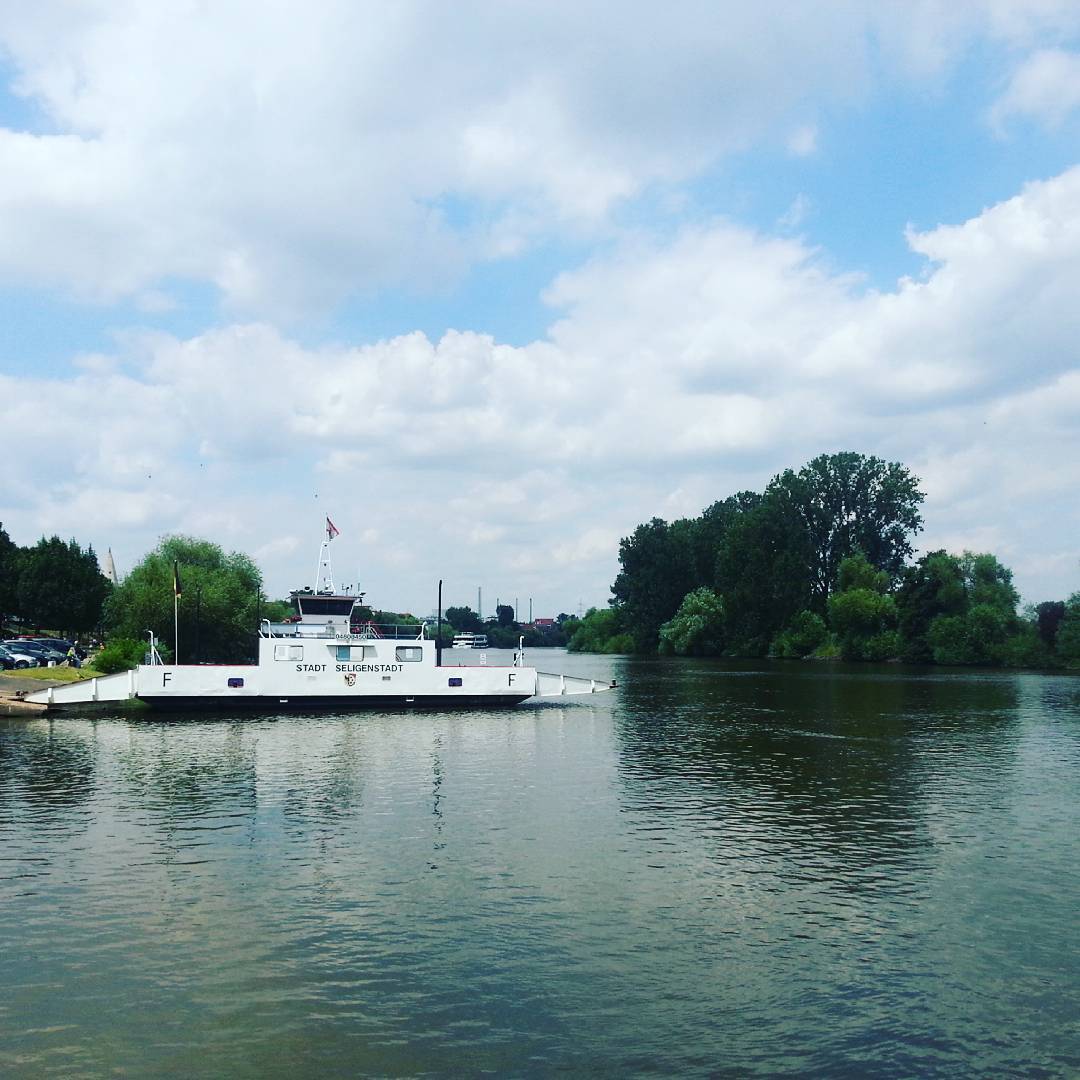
[[345, 653], [288, 652], [409, 653]]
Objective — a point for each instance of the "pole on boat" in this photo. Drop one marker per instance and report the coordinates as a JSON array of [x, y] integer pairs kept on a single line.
[[177, 589], [438, 630]]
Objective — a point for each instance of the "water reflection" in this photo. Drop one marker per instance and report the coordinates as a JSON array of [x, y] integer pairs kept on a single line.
[[44, 766], [801, 762], [437, 779], [323, 775], [719, 870]]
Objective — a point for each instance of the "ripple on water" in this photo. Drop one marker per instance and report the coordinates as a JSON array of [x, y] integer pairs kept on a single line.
[[716, 871]]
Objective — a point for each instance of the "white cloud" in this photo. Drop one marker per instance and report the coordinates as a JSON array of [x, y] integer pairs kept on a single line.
[[796, 213], [803, 141], [291, 155], [1045, 87], [679, 370]]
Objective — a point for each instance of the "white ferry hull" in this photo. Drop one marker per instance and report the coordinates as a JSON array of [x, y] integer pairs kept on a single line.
[[320, 682]]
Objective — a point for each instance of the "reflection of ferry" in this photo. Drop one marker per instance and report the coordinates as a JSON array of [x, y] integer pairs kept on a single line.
[[470, 641], [319, 659]]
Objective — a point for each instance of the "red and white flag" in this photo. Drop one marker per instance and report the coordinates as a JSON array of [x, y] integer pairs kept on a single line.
[[331, 530]]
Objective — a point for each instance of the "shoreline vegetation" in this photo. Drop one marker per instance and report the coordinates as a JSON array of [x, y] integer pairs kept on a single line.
[[56, 588], [819, 567]]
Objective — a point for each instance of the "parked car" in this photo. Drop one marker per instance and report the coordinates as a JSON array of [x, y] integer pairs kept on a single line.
[[63, 645], [12, 658], [41, 653]]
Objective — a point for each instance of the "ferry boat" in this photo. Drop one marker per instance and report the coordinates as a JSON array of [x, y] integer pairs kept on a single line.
[[469, 641], [320, 659]]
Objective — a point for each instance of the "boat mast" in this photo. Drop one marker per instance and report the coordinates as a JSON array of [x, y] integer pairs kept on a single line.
[[324, 572]]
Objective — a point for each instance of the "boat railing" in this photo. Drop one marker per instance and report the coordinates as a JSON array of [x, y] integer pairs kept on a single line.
[[398, 631], [367, 631]]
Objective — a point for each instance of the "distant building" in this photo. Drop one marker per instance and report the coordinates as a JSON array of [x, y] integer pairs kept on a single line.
[[108, 567]]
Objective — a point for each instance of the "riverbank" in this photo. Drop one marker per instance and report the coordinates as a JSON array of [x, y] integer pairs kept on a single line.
[[11, 703], [15, 684]]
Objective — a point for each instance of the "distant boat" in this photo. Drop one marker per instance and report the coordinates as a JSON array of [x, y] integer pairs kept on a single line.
[[470, 641]]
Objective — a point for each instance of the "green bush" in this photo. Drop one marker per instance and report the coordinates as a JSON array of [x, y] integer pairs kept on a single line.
[[619, 643], [805, 633], [122, 654], [864, 619], [600, 632], [883, 646], [697, 628], [1025, 649], [948, 639], [977, 637], [829, 649]]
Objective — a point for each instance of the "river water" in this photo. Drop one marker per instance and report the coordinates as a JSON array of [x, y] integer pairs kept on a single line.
[[718, 869]]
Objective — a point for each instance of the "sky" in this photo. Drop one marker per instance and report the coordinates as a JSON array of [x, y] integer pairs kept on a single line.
[[491, 284]]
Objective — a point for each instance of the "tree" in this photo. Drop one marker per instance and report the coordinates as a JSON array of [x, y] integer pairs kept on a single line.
[[933, 586], [983, 620], [504, 614], [848, 502], [60, 586], [976, 637], [708, 533], [1024, 648], [864, 621], [601, 632], [230, 600], [805, 633], [657, 572], [1068, 636], [697, 628], [1048, 617], [763, 573], [9, 569], [278, 610], [861, 613], [986, 581], [464, 619], [856, 573], [769, 556]]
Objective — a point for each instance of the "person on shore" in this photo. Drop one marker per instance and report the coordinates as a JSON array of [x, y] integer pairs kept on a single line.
[[73, 658]]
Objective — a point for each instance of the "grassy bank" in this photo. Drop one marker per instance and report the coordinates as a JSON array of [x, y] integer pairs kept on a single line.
[[58, 674]]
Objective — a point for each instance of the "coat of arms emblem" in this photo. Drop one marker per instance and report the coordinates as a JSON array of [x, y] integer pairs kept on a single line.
[[350, 679]]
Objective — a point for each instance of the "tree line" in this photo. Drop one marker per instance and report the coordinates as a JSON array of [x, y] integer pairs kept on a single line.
[[57, 586], [54, 584], [504, 632], [820, 564]]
